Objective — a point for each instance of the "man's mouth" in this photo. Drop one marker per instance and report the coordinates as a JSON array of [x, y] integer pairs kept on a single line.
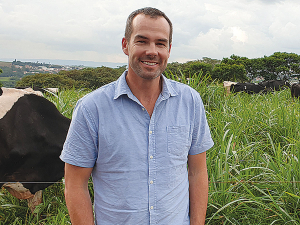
[[149, 63]]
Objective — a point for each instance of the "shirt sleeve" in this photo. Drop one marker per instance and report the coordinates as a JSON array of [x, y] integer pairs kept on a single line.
[[201, 136], [80, 147]]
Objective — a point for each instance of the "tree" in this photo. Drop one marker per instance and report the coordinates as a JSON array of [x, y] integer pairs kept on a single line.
[[48, 81], [196, 67], [189, 68], [229, 72], [90, 78], [281, 65], [173, 68], [94, 77]]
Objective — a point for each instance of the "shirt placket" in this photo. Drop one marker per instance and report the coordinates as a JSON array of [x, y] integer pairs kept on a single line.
[[152, 170], [152, 164]]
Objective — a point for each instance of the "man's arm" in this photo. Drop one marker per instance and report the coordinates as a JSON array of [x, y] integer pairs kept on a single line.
[[77, 195], [198, 181]]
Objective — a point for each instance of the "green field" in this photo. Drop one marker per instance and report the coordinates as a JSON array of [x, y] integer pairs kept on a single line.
[[253, 168]]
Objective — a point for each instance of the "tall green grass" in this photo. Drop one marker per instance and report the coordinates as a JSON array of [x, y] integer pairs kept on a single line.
[[253, 167]]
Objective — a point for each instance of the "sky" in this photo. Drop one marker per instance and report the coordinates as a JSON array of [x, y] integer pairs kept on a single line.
[[92, 30]]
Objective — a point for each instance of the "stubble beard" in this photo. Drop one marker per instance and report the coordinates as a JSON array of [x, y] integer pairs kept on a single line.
[[149, 74]]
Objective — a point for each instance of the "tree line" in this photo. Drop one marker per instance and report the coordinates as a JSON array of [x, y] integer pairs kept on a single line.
[[280, 65], [89, 78]]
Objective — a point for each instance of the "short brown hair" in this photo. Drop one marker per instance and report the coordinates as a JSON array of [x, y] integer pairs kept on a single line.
[[153, 13]]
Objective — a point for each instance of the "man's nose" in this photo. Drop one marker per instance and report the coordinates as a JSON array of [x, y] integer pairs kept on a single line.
[[152, 49]]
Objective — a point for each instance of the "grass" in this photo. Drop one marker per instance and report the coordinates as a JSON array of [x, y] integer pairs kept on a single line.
[[253, 167], [254, 173]]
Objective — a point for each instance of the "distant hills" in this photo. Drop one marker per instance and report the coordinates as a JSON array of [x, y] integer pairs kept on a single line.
[[68, 62], [14, 70]]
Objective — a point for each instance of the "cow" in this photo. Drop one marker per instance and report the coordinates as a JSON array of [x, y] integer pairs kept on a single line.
[[249, 88], [227, 85], [295, 90], [275, 85], [32, 133]]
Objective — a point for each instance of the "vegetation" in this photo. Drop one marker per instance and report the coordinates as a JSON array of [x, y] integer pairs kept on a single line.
[[90, 78], [280, 65], [16, 70], [253, 167]]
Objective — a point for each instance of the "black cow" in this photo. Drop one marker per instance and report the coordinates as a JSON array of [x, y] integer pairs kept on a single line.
[[276, 85], [249, 88], [295, 90], [32, 133]]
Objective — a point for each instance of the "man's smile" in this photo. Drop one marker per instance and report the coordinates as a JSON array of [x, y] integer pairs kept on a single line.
[[149, 63]]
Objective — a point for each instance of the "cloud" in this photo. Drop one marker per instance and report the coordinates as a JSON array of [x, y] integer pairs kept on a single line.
[[238, 35], [92, 30]]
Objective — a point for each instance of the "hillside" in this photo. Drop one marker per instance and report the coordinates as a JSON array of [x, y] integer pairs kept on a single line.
[[14, 71], [5, 64]]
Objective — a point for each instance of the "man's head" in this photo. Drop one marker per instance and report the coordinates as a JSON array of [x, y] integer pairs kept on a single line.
[[147, 44], [153, 13]]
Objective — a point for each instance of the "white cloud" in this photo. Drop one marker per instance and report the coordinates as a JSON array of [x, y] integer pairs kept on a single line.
[[91, 30], [239, 35]]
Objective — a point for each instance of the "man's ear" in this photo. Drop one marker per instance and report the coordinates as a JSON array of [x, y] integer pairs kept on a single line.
[[125, 45], [170, 46]]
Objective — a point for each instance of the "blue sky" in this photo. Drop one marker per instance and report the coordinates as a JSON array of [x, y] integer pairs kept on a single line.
[[91, 30]]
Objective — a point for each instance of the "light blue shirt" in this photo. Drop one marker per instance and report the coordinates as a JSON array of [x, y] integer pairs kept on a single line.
[[140, 163]]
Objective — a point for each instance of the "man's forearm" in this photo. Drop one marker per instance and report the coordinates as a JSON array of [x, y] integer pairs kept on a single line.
[[79, 206], [198, 197], [77, 195]]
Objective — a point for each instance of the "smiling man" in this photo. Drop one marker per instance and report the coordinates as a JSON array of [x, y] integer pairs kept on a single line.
[[135, 136]]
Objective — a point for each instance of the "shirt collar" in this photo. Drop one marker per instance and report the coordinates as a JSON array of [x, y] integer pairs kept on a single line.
[[167, 89], [122, 87]]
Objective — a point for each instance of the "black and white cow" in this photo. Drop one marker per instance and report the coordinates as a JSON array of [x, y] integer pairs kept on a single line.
[[262, 87], [227, 85], [249, 88], [32, 133]]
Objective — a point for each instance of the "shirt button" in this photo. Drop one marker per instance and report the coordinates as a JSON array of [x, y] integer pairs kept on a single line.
[[151, 207], [150, 132], [151, 156], [151, 182], [143, 109]]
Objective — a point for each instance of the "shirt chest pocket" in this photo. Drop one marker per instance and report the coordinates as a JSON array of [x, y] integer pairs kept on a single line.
[[178, 140]]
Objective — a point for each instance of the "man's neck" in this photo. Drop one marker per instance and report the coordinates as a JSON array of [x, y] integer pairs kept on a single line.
[[146, 91]]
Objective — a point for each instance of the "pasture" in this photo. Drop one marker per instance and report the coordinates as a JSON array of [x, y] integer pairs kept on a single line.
[[253, 167]]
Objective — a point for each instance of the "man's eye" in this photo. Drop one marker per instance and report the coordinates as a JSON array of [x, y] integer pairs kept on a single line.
[[141, 41]]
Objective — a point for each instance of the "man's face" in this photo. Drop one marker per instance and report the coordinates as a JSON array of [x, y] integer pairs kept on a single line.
[[148, 49]]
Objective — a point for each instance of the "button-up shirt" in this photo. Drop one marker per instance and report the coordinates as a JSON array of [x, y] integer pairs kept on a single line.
[[139, 162]]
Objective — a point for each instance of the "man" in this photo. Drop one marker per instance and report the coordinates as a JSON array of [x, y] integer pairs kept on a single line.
[[136, 136]]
